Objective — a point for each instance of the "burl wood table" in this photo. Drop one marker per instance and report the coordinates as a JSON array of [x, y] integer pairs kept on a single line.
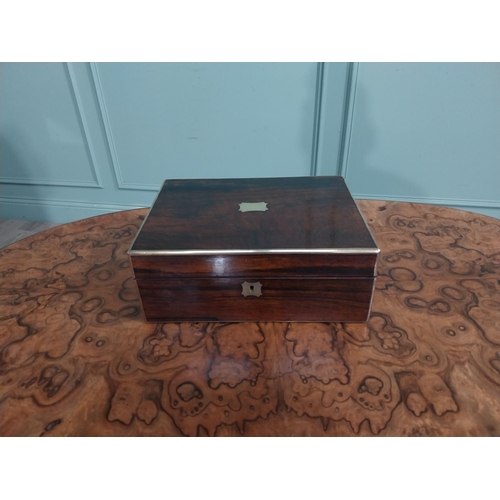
[[78, 360]]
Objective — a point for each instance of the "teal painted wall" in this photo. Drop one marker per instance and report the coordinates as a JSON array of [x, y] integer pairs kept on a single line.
[[426, 132], [80, 139]]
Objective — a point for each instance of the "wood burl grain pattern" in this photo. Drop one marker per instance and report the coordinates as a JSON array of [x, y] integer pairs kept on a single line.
[[77, 359]]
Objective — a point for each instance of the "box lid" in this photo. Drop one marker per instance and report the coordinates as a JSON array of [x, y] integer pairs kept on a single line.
[[256, 220]]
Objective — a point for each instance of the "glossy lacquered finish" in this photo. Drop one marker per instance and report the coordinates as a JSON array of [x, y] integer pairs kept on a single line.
[[222, 299], [284, 265], [203, 238]]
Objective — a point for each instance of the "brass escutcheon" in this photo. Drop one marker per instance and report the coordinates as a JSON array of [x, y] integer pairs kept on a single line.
[[251, 289]]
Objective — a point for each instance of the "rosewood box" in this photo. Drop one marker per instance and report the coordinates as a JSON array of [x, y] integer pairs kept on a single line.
[[275, 249]]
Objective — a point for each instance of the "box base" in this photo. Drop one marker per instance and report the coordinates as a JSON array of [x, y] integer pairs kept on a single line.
[[281, 300]]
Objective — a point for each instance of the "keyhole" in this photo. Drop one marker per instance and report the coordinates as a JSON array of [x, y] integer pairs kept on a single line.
[[252, 289]]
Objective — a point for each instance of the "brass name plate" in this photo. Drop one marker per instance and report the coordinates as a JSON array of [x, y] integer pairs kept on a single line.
[[253, 207]]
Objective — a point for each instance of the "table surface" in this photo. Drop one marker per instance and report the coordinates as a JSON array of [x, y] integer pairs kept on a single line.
[[76, 357]]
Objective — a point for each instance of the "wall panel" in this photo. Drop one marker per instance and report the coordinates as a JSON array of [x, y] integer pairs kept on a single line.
[[81, 139], [192, 120], [426, 132], [121, 129], [43, 128]]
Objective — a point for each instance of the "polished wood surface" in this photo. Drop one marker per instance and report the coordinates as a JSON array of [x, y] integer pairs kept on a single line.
[[304, 218], [279, 266], [302, 212], [221, 299], [78, 359]]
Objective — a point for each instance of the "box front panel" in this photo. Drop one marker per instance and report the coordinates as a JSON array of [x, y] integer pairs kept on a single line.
[[252, 299]]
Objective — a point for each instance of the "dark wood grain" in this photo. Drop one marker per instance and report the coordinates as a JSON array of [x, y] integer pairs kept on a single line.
[[305, 219], [303, 212], [76, 358], [221, 299], [289, 265]]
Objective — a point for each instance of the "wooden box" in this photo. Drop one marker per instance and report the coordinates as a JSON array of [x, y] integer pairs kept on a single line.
[[275, 249]]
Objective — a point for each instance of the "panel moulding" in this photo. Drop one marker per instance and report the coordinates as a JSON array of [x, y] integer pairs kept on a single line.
[[320, 79], [333, 97], [56, 210], [350, 100], [67, 203], [45, 182], [83, 123], [156, 187], [110, 139], [96, 183], [454, 202]]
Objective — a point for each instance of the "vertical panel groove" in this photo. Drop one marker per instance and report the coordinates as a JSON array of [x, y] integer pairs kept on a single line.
[[83, 122], [103, 110], [350, 100], [107, 126], [110, 139], [317, 117]]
